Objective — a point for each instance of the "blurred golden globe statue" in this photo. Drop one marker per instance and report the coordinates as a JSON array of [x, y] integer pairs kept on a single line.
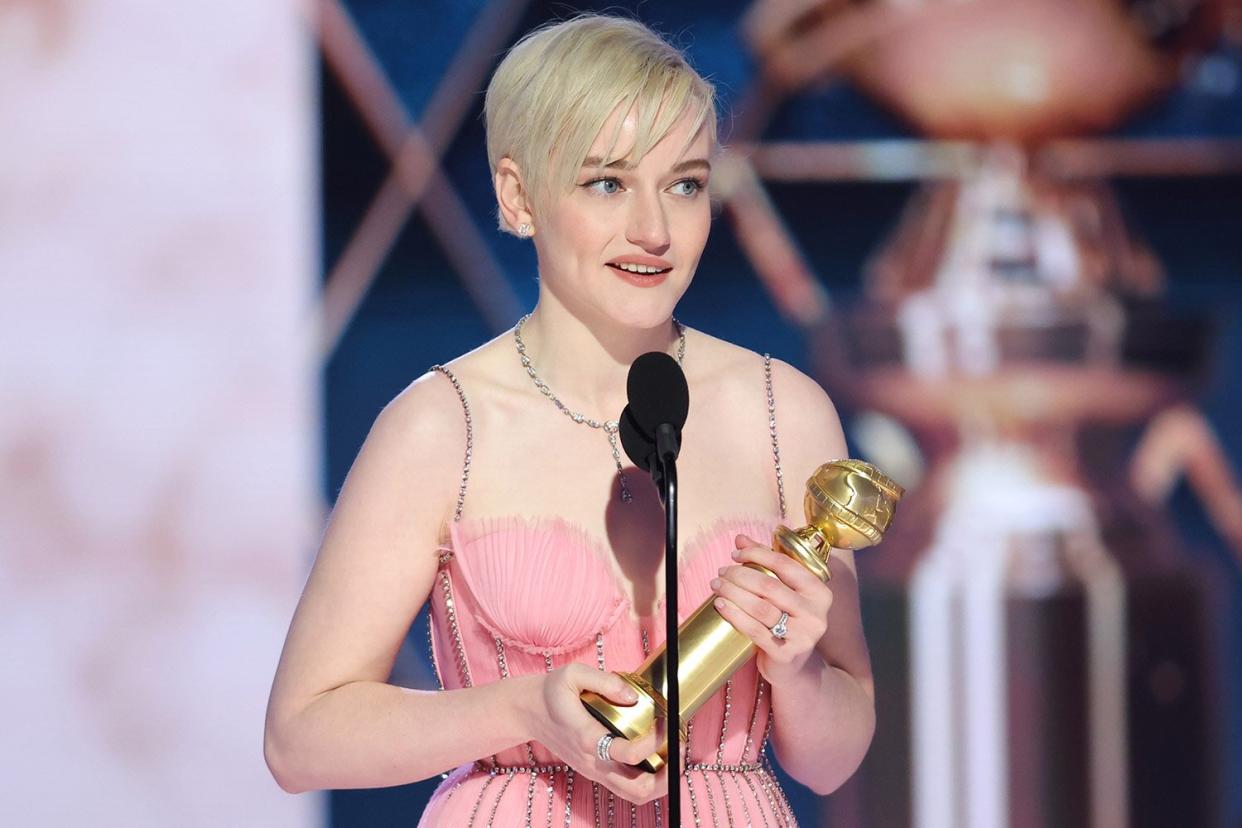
[[1013, 326]]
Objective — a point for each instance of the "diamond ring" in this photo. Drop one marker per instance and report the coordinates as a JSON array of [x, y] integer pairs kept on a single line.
[[602, 746], [780, 628]]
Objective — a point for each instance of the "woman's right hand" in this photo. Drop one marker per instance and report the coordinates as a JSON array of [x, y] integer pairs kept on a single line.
[[562, 724]]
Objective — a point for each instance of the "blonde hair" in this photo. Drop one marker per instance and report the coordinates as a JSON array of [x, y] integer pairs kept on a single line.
[[551, 94]]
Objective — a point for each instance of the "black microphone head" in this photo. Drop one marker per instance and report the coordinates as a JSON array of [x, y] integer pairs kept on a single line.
[[638, 447], [658, 393]]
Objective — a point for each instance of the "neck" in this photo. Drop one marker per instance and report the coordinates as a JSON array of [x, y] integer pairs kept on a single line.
[[585, 362]]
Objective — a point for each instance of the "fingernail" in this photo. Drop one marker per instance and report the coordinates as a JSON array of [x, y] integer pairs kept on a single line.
[[737, 553], [721, 571], [715, 583], [720, 603]]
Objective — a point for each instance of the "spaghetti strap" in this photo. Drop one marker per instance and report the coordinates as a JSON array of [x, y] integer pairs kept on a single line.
[[776, 449], [465, 470]]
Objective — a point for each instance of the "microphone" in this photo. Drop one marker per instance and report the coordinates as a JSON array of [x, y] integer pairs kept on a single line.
[[659, 402]]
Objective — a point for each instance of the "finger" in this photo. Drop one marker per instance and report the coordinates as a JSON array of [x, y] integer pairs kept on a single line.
[[786, 568], [609, 685], [749, 626], [754, 605], [629, 752], [773, 590]]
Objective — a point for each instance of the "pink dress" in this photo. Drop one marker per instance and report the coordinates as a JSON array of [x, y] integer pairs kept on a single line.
[[515, 596]]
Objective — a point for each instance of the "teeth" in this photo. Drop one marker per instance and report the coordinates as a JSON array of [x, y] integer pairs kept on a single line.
[[637, 268]]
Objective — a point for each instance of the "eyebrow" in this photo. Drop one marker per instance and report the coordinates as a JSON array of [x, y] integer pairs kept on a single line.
[[594, 162]]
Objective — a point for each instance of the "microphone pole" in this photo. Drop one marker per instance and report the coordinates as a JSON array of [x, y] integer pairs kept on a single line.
[[650, 431], [666, 452]]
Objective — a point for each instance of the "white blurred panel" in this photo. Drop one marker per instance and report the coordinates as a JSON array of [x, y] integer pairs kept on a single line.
[[158, 413]]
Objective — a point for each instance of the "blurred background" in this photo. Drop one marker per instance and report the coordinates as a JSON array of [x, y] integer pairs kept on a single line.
[[1005, 235]]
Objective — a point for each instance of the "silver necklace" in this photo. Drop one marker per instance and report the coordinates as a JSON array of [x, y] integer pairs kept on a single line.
[[610, 427]]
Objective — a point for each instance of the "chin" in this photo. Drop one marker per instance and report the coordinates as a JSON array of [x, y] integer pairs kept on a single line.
[[641, 312]]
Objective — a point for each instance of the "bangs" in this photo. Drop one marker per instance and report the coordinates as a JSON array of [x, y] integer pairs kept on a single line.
[[558, 85], [659, 104]]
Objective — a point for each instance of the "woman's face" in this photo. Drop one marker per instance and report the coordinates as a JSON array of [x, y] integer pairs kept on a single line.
[[625, 242]]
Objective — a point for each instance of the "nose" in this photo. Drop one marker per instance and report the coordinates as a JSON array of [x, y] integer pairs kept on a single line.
[[648, 226]]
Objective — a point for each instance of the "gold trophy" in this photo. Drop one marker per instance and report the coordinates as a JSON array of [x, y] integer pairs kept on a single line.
[[849, 504]]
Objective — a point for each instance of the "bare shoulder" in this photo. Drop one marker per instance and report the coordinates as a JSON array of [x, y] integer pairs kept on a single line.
[[807, 419], [430, 411], [425, 418]]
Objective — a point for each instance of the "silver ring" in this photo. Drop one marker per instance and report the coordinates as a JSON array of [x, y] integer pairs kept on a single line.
[[780, 629], [602, 746]]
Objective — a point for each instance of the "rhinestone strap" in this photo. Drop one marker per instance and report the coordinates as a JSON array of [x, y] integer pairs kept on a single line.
[[776, 449], [465, 471]]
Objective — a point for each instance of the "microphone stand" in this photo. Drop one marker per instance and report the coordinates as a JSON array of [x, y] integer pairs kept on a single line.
[[666, 458]]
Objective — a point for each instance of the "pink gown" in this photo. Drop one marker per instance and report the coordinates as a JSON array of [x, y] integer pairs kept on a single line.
[[515, 596]]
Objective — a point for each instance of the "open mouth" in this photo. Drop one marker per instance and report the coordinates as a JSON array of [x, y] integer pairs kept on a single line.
[[640, 271]]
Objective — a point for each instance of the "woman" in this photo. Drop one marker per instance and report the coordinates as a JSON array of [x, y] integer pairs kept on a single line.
[[541, 552]]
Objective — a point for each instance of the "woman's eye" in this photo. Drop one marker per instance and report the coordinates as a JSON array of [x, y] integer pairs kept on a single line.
[[605, 186], [688, 186]]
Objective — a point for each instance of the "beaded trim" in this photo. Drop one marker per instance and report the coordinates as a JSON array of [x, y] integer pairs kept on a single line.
[[569, 797], [754, 716], [694, 802], [776, 449], [724, 724], [551, 795], [459, 649], [474, 812], [465, 472], [724, 728], [491, 818], [771, 792], [711, 801], [481, 766], [751, 785], [741, 797], [685, 751]]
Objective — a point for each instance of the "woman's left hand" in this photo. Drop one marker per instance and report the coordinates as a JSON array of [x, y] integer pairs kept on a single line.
[[753, 602]]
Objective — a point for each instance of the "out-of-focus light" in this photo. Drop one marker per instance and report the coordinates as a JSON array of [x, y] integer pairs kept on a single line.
[[1026, 82]]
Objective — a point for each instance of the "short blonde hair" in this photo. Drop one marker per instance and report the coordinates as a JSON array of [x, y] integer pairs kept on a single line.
[[553, 91]]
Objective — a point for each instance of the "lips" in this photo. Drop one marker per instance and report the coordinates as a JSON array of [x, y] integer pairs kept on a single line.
[[647, 271], [640, 262], [641, 279]]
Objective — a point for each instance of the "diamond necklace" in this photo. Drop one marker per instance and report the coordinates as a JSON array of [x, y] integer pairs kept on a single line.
[[610, 427]]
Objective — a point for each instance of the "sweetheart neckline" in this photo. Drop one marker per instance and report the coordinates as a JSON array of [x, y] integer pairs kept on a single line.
[[600, 552]]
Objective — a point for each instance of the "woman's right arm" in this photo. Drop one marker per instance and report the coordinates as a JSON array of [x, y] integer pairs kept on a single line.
[[333, 721]]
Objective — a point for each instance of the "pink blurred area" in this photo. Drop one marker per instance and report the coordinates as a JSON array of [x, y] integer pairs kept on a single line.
[[158, 417]]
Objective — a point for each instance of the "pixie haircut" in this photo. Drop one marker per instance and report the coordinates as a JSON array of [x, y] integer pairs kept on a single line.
[[553, 91]]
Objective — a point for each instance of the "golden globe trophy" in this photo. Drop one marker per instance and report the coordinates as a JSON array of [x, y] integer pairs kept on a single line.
[[849, 504]]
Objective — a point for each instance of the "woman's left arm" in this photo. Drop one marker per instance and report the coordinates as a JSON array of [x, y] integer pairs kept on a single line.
[[823, 700]]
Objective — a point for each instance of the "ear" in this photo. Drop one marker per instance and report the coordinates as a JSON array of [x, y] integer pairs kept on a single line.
[[511, 195]]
